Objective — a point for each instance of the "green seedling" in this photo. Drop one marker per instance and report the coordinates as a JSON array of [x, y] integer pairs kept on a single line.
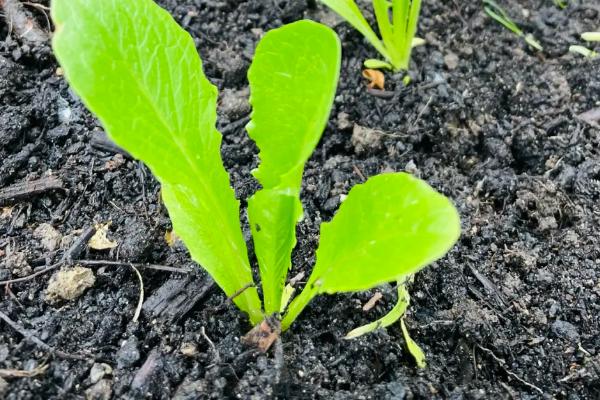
[[591, 36], [496, 12], [397, 32], [562, 4], [139, 72], [584, 51]]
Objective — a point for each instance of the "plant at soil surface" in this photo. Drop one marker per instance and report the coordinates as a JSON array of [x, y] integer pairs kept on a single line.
[[496, 12], [397, 32], [562, 4], [139, 72], [584, 51], [591, 36]]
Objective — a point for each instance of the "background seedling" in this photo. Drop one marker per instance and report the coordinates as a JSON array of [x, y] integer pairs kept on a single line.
[[584, 51], [143, 78], [496, 12], [562, 4], [397, 32], [591, 36]]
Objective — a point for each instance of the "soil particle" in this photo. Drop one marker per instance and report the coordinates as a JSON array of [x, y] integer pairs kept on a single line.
[[102, 390], [366, 139], [565, 330], [148, 376], [234, 104], [129, 353], [137, 239], [69, 284], [49, 237], [99, 371]]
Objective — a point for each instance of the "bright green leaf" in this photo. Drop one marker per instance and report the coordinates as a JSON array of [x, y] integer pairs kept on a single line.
[[293, 80], [139, 72], [389, 227], [373, 63], [406, 225], [348, 10]]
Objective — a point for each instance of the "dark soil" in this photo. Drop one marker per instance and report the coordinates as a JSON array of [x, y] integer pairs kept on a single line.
[[512, 312]]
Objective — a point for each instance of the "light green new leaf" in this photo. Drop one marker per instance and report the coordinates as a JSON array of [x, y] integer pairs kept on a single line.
[[591, 36], [293, 80], [348, 10], [389, 227], [139, 72]]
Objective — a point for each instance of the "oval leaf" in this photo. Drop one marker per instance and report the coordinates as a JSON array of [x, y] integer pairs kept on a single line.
[[293, 80], [392, 225]]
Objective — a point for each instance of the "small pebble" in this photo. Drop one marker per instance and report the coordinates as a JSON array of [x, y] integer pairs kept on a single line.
[[49, 237], [99, 371], [365, 139], [129, 353], [565, 330], [69, 284], [102, 390], [451, 61]]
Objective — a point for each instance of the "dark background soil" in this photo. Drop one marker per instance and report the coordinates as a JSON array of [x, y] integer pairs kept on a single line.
[[512, 312]]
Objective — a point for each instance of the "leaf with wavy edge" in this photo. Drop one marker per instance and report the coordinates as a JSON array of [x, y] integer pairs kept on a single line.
[[293, 80], [139, 72]]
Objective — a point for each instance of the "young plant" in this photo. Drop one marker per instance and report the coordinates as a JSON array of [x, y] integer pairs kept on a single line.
[[397, 32], [496, 12], [584, 51], [139, 72], [591, 36]]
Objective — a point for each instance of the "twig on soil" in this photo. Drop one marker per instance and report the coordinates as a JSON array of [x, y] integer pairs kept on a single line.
[[30, 277], [382, 94], [23, 190], [240, 291], [100, 141], [19, 373], [99, 263], [508, 372], [419, 115], [79, 244], [138, 310], [73, 252], [230, 299], [359, 173], [235, 125], [278, 360], [35, 340], [217, 356]]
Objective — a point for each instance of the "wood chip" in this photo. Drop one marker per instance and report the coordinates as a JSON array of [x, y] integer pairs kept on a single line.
[[17, 373], [100, 240], [375, 77], [263, 335]]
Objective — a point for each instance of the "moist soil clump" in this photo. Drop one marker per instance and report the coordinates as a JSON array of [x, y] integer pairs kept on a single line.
[[513, 311]]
